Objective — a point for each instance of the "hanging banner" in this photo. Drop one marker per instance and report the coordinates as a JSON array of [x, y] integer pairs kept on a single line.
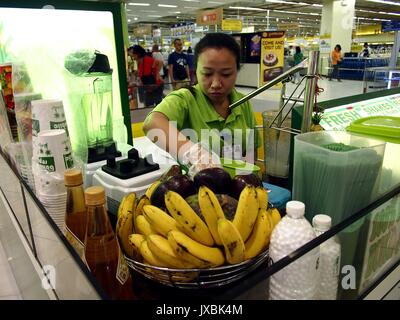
[[232, 25], [209, 17], [272, 55]]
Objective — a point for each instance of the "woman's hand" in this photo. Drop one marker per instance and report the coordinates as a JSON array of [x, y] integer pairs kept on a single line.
[[197, 157]]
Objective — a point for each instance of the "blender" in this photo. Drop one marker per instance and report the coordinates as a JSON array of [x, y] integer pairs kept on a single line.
[[91, 125], [89, 81]]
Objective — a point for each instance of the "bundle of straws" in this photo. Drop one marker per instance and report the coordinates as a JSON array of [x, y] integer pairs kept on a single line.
[[337, 183]]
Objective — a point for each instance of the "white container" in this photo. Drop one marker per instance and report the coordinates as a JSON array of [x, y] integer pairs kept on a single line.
[[298, 280], [329, 260]]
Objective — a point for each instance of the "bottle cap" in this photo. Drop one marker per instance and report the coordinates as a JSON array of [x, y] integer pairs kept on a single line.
[[73, 177], [95, 196], [322, 222], [295, 209]]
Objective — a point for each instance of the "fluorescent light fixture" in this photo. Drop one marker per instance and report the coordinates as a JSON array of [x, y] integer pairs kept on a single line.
[[390, 3], [317, 5], [287, 2], [129, 20], [135, 18], [167, 5], [139, 4], [148, 11], [190, 7], [154, 16], [215, 2], [191, 0], [248, 8]]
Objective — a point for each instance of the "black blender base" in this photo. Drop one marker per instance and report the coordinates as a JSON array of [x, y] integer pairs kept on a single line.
[[101, 153], [132, 167]]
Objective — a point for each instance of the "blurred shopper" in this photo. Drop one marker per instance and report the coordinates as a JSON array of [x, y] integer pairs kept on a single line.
[[336, 58], [298, 58], [150, 82], [178, 68], [157, 55], [366, 51], [192, 71]]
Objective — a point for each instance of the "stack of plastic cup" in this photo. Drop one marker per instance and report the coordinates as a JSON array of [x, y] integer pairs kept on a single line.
[[47, 115], [52, 155]]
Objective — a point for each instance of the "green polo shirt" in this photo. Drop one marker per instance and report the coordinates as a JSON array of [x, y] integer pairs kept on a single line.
[[195, 111]]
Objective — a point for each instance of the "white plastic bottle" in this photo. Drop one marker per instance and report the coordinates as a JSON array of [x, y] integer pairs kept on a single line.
[[298, 280], [329, 261]]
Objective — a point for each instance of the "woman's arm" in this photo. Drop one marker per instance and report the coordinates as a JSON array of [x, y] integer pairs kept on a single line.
[[163, 133]]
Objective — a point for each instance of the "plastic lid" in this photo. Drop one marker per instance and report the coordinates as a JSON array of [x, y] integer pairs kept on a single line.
[[95, 196], [73, 177], [322, 222], [295, 209], [380, 127]]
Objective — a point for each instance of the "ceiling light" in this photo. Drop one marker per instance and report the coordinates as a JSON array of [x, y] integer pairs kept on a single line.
[[317, 5], [190, 7], [139, 4], [288, 2], [215, 2], [167, 5], [248, 8], [135, 18], [390, 3], [191, 0], [154, 16]]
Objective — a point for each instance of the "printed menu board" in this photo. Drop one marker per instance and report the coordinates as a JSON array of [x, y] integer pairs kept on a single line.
[[339, 118], [272, 55]]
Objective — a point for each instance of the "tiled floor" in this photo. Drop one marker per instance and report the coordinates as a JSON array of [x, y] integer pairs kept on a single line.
[[8, 287]]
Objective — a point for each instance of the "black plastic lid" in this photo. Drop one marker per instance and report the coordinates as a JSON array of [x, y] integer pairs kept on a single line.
[[100, 64]]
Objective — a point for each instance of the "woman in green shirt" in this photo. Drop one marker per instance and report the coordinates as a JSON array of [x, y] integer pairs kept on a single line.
[[202, 112]]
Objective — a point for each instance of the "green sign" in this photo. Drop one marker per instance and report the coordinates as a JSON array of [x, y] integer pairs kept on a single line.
[[339, 118], [47, 163]]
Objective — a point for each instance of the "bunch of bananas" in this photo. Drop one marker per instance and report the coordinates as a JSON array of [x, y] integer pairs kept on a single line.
[[181, 239]]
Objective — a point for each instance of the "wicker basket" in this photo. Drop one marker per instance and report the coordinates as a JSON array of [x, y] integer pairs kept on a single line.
[[198, 278]]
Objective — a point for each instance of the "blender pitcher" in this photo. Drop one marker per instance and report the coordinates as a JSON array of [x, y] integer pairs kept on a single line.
[[90, 82]]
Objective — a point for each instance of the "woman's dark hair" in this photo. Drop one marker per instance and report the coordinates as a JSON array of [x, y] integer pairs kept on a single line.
[[218, 41], [339, 47], [298, 49], [136, 49]]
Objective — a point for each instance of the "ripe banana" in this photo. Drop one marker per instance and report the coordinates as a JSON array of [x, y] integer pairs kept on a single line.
[[149, 257], [135, 241], [159, 220], [139, 208], [260, 236], [276, 216], [120, 206], [211, 210], [183, 253], [143, 226], [151, 189], [232, 241], [262, 195], [162, 250], [125, 224], [246, 212], [191, 223], [212, 255]]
